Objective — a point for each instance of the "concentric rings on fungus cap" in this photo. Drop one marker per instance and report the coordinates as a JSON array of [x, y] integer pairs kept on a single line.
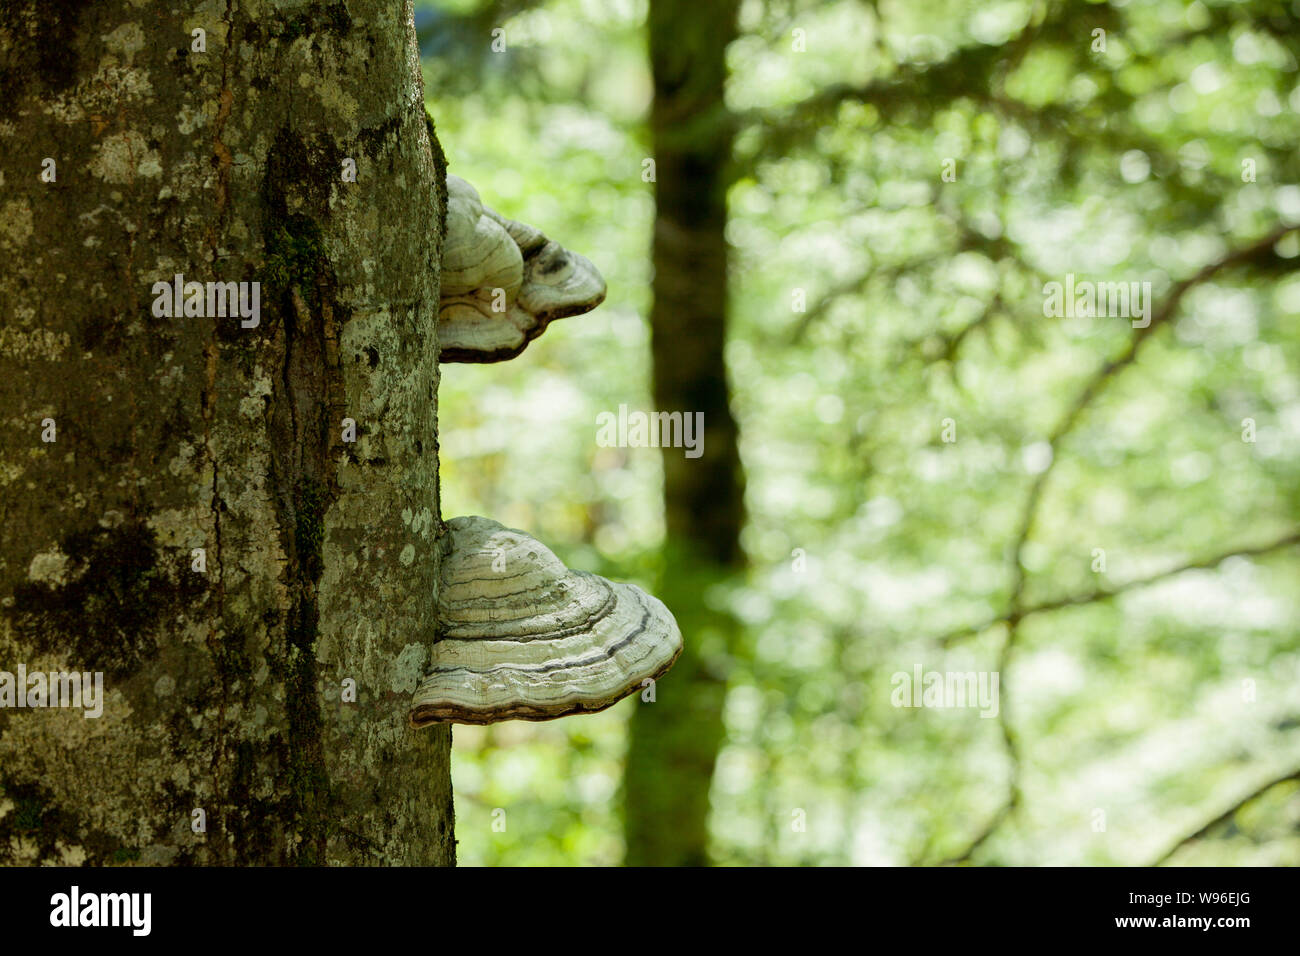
[[503, 282], [523, 637]]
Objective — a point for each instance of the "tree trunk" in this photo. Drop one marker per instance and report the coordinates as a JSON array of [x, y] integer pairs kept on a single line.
[[675, 742], [223, 156]]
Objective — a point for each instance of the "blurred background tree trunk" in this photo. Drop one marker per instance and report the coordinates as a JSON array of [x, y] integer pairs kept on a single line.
[[674, 742], [219, 149]]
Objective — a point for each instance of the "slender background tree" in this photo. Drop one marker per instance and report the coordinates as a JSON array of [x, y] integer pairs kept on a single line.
[[674, 744]]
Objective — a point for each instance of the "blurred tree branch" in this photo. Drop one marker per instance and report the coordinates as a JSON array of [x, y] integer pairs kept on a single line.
[[1255, 252], [969, 239], [1252, 253], [974, 71], [952, 342], [1014, 793], [1016, 609], [1226, 815], [1103, 594]]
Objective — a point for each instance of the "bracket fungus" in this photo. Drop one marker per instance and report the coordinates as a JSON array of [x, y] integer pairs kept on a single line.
[[503, 282], [523, 637]]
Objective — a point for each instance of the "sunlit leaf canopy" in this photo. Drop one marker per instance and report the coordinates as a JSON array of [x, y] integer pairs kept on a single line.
[[1164, 158]]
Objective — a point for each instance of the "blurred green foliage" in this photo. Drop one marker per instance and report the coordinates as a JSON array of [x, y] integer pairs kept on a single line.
[[924, 303]]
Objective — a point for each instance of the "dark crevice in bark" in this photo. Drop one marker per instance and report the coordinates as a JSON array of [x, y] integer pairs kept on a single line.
[[207, 411], [305, 415]]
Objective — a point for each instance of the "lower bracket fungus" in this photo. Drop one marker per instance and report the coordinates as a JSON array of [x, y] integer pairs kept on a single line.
[[503, 282], [523, 637]]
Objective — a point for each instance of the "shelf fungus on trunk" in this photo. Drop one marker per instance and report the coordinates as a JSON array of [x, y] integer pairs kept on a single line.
[[523, 637], [503, 282]]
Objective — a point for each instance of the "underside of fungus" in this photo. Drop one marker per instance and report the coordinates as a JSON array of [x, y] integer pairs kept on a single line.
[[523, 637], [503, 282]]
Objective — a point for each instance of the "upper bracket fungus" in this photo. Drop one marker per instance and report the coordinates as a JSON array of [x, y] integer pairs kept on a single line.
[[503, 282], [522, 636]]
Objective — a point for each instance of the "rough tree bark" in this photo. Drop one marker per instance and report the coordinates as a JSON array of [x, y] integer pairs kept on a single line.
[[674, 743], [222, 156]]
